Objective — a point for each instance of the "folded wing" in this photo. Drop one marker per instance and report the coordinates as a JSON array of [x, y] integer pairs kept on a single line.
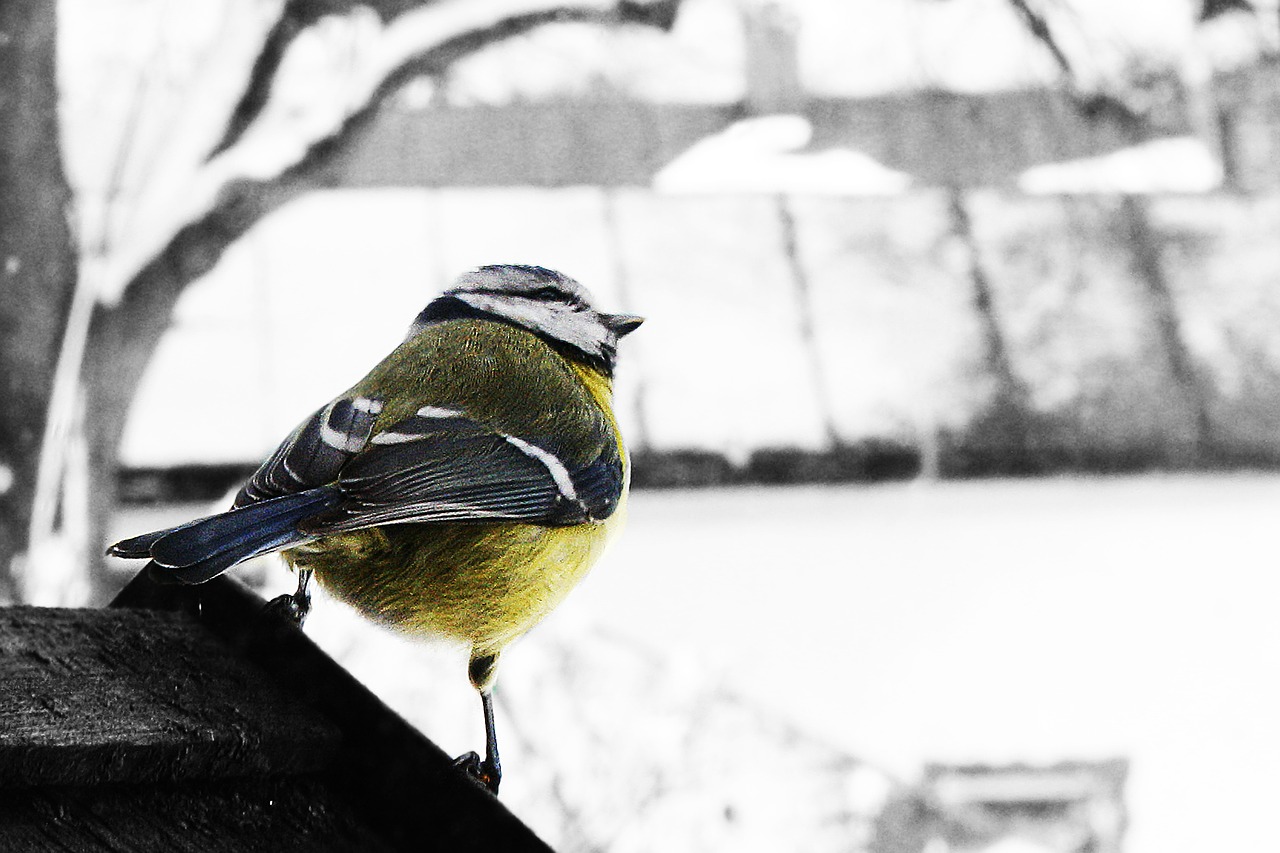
[[440, 466], [333, 474]]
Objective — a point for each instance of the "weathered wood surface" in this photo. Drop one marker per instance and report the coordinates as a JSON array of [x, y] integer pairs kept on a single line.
[[95, 696], [255, 814], [385, 770], [190, 720]]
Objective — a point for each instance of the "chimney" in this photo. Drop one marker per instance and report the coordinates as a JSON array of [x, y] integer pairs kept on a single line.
[[773, 60]]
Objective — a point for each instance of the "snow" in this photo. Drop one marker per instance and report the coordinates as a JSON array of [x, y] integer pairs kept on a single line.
[[771, 635], [764, 155], [1018, 845], [1175, 165]]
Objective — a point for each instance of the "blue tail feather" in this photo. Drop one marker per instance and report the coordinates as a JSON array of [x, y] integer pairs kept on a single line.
[[201, 550], [138, 547]]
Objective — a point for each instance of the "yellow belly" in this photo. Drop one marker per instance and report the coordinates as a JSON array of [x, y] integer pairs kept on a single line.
[[483, 585]]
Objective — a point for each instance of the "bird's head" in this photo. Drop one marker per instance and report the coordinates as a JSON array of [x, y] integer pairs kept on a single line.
[[547, 303]]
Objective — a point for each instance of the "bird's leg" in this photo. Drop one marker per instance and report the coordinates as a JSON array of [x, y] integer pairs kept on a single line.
[[489, 771], [492, 767], [294, 607]]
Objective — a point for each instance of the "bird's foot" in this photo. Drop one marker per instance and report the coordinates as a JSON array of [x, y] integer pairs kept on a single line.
[[481, 770], [292, 607]]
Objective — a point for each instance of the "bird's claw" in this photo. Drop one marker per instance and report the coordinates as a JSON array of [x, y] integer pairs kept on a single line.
[[290, 607], [479, 770]]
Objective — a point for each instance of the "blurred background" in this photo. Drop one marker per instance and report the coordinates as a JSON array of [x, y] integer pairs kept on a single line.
[[954, 421]]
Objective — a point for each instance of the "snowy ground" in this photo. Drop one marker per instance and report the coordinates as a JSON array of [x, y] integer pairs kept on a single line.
[[984, 621]]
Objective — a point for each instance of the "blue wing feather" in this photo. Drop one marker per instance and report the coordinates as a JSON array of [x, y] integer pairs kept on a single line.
[[313, 455], [334, 475]]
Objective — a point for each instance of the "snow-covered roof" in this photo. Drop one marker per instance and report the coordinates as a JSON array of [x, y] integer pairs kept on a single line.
[[768, 155], [1175, 165]]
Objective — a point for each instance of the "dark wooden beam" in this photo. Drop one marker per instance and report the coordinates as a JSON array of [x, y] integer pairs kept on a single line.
[[96, 696], [391, 777]]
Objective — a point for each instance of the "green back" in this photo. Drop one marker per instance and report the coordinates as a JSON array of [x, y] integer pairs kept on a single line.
[[496, 374]]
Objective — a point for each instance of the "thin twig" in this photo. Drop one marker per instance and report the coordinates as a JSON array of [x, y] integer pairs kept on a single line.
[[1039, 28]]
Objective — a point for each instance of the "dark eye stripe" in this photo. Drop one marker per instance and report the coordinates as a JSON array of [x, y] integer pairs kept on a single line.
[[541, 294]]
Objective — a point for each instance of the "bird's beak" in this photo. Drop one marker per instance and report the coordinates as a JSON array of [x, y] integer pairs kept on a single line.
[[622, 324]]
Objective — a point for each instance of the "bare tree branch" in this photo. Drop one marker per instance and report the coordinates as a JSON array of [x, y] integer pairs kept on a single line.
[[297, 15], [1210, 9], [245, 202], [437, 59], [1038, 26], [1095, 106]]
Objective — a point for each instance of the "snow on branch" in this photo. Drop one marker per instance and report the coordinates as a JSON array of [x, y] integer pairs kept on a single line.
[[297, 15], [241, 202]]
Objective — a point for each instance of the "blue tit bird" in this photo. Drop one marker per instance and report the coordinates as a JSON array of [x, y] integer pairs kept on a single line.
[[461, 488]]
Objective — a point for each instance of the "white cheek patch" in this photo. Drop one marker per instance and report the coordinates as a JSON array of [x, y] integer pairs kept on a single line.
[[555, 467], [581, 329]]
